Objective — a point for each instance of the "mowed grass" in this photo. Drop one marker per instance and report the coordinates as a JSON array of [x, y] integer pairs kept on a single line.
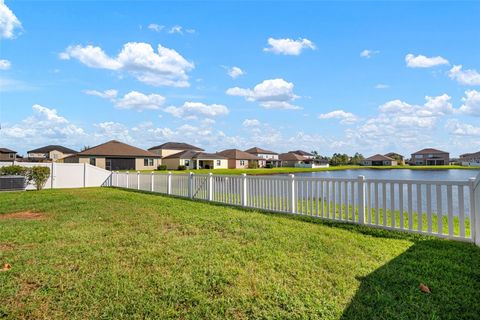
[[117, 254]]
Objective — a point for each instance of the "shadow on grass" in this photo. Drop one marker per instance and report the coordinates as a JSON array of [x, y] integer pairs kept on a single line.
[[450, 269]]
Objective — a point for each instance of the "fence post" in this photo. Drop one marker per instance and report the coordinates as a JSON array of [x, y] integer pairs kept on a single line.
[[291, 190], [190, 185], [116, 178], [128, 178], [85, 175], [475, 208], [152, 180], [51, 175], [210, 186], [244, 190], [138, 180], [169, 183], [361, 199]]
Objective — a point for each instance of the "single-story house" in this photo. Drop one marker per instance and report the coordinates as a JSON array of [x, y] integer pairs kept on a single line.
[[50, 153], [397, 157], [430, 157], [270, 156], [291, 159], [195, 160], [116, 155], [379, 160], [470, 159], [169, 148], [238, 159], [7, 155], [303, 154]]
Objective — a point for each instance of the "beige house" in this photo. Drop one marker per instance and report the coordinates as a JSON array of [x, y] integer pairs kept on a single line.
[[397, 157], [50, 153], [169, 148], [302, 153], [116, 155], [291, 159], [271, 158], [470, 159], [238, 159], [379, 160], [7, 155], [195, 160], [430, 157]]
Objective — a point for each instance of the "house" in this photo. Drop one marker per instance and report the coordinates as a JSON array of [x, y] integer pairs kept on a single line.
[[116, 155], [170, 148], [470, 159], [270, 156], [195, 160], [430, 157], [303, 153], [238, 159], [397, 157], [7, 155], [291, 159], [51, 153], [379, 160]]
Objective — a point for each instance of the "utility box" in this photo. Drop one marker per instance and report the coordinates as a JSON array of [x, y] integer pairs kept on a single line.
[[12, 183]]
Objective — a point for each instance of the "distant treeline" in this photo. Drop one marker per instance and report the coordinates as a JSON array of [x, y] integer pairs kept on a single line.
[[341, 159]]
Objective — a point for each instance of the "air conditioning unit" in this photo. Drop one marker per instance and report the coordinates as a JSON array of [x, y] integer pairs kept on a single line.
[[12, 183]]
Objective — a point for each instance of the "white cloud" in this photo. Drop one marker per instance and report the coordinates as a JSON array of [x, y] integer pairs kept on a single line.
[[107, 94], [288, 46], [471, 103], [4, 64], [422, 61], [8, 22], [191, 110], [166, 67], [271, 94], [250, 123], [176, 29], [368, 53], [344, 117], [235, 72], [155, 27], [138, 101], [381, 86], [468, 77], [458, 128]]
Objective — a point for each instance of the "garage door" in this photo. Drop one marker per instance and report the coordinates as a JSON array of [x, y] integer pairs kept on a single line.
[[114, 164]]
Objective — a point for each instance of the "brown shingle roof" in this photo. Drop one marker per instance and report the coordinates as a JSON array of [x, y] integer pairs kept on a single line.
[[176, 146], [429, 150], [257, 150], [379, 157], [301, 152], [238, 155], [52, 148], [190, 154], [116, 148], [290, 156], [393, 154], [5, 150]]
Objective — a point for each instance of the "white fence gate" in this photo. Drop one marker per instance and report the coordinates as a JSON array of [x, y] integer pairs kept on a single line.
[[447, 209], [68, 175]]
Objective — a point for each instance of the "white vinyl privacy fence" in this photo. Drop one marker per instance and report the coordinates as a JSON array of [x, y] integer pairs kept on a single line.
[[447, 209], [69, 175]]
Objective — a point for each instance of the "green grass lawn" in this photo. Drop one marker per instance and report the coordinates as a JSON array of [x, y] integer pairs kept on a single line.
[[118, 254], [285, 170]]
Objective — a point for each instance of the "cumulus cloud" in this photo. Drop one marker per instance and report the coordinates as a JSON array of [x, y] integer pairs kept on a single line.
[[271, 94], [471, 103], [155, 27], [422, 61], [191, 110], [133, 100], [107, 94], [459, 128], [165, 67], [4, 64], [235, 72], [248, 123], [288, 46], [368, 53], [344, 117], [9, 23], [467, 77]]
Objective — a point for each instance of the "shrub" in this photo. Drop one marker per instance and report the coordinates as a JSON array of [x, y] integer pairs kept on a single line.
[[162, 167], [253, 165], [39, 176], [269, 165], [14, 171], [182, 168]]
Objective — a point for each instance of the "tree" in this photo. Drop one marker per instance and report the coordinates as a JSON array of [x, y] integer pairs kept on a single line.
[[39, 176], [357, 159]]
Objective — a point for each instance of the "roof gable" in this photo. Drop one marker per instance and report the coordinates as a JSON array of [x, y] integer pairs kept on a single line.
[[257, 150], [238, 155], [429, 150], [301, 152], [50, 148], [379, 157], [116, 148], [6, 150], [176, 146], [290, 156]]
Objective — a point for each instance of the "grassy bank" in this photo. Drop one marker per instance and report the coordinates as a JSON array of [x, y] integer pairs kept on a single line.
[[297, 170], [115, 254]]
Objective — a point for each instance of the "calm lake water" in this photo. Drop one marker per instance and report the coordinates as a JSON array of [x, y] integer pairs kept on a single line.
[[397, 174]]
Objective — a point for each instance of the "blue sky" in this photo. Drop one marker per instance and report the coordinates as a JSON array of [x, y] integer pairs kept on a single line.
[[371, 77]]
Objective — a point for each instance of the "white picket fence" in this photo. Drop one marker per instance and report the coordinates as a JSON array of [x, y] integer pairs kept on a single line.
[[68, 175], [447, 209]]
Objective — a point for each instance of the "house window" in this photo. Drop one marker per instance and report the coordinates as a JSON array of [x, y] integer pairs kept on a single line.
[[219, 162], [148, 162], [242, 162], [12, 155], [187, 163], [93, 161], [418, 156]]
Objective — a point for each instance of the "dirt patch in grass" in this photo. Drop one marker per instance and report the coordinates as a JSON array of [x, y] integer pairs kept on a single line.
[[23, 215]]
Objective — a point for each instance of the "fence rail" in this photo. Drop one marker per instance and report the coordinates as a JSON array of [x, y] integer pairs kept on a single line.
[[447, 209]]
